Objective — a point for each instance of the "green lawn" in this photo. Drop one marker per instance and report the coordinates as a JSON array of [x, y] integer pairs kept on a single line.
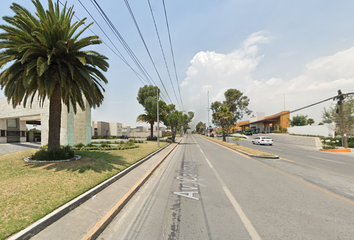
[[29, 191]]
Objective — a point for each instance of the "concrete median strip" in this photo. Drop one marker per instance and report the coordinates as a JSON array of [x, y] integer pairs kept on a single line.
[[66, 208]]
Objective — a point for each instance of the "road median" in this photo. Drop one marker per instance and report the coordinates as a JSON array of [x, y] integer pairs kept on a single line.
[[245, 150]]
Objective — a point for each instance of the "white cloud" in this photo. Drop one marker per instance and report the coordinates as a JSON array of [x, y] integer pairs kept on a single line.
[[216, 72]]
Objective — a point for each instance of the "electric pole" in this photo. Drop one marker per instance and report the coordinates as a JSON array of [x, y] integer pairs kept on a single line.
[[342, 127], [208, 115], [158, 120]]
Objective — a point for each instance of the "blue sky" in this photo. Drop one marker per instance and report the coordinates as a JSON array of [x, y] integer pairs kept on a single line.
[[298, 51]]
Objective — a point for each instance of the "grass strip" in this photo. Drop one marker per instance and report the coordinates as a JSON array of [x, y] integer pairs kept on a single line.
[[234, 146], [29, 191]]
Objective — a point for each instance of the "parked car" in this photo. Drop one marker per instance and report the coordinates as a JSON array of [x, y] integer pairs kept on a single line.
[[247, 132], [211, 134], [262, 140], [124, 137]]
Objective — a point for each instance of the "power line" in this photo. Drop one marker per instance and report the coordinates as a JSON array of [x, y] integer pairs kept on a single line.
[[147, 49], [163, 53], [312, 104], [124, 44], [120, 54], [173, 57]]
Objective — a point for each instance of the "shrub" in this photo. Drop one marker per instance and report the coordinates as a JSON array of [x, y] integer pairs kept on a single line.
[[328, 147], [104, 144], [80, 145], [351, 144], [130, 142], [90, 145], [55, 154], [151, 138]]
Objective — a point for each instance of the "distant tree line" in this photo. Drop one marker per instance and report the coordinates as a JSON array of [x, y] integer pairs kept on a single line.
[[168, 114]]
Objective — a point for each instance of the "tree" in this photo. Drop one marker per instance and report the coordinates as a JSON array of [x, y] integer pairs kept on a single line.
[[344, 124], [147, 97], [225, 114], [46, 60], [225, 119], [298, 120], [187, 118], [174, 119], [310, 121], [199, 128]]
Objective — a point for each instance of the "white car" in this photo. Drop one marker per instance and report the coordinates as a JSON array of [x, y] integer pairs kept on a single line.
[[262, 140]]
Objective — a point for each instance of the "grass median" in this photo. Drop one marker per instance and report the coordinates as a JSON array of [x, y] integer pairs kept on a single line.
[[29, 191]]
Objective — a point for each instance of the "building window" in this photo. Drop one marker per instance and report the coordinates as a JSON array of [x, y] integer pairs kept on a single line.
[[11, 123], [13, 133], [2, 133], [23, 133]]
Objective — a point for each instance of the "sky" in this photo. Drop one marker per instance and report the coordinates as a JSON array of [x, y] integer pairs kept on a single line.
[[283, 55]]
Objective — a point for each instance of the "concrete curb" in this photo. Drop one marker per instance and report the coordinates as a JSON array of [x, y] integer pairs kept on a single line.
[[38, 226], [112, 213]]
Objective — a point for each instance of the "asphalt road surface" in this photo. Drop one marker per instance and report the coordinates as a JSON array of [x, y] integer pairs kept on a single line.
[[205, 191]]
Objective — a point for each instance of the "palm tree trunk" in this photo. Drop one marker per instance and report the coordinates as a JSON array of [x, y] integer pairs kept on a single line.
[[152, 130], [54, 118]]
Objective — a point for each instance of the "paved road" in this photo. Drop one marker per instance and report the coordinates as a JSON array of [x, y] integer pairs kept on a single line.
[[6, 148], [204, 191]]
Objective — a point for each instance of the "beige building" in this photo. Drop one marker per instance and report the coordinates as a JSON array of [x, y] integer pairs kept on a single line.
[[75, 128], [107, 129]]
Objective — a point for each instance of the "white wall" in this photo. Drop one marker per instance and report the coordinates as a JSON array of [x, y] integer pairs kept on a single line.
[[115, 129], [326, 130]]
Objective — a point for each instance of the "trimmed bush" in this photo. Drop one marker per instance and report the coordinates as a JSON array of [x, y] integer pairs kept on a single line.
[[151, 138], [104, 144], [80, 145], [55, 154]]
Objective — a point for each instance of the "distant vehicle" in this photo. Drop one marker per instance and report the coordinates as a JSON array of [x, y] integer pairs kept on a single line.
[[247, 132], [124, 137], [263, 140], [237, 135], [211, 134]]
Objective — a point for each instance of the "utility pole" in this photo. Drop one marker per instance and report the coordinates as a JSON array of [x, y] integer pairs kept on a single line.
[[208, 115], [158, 120], [340, 112]]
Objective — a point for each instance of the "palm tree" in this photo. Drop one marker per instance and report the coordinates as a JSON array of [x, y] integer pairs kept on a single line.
[[47, 61], [148, 118]]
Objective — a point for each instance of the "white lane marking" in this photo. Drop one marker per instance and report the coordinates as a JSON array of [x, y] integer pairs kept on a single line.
[[326, 159], [246, 222]]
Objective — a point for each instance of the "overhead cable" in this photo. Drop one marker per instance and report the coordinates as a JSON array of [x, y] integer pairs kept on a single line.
[[147, 49], [163, 53], [173, 57]]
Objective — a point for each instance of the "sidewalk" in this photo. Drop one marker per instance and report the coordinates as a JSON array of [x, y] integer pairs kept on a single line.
[[87, 220]]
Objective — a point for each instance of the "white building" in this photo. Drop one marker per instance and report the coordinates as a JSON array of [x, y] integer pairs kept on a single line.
[[75, 128]]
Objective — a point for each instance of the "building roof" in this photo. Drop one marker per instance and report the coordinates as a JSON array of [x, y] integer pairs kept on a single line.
[[268, 118]]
